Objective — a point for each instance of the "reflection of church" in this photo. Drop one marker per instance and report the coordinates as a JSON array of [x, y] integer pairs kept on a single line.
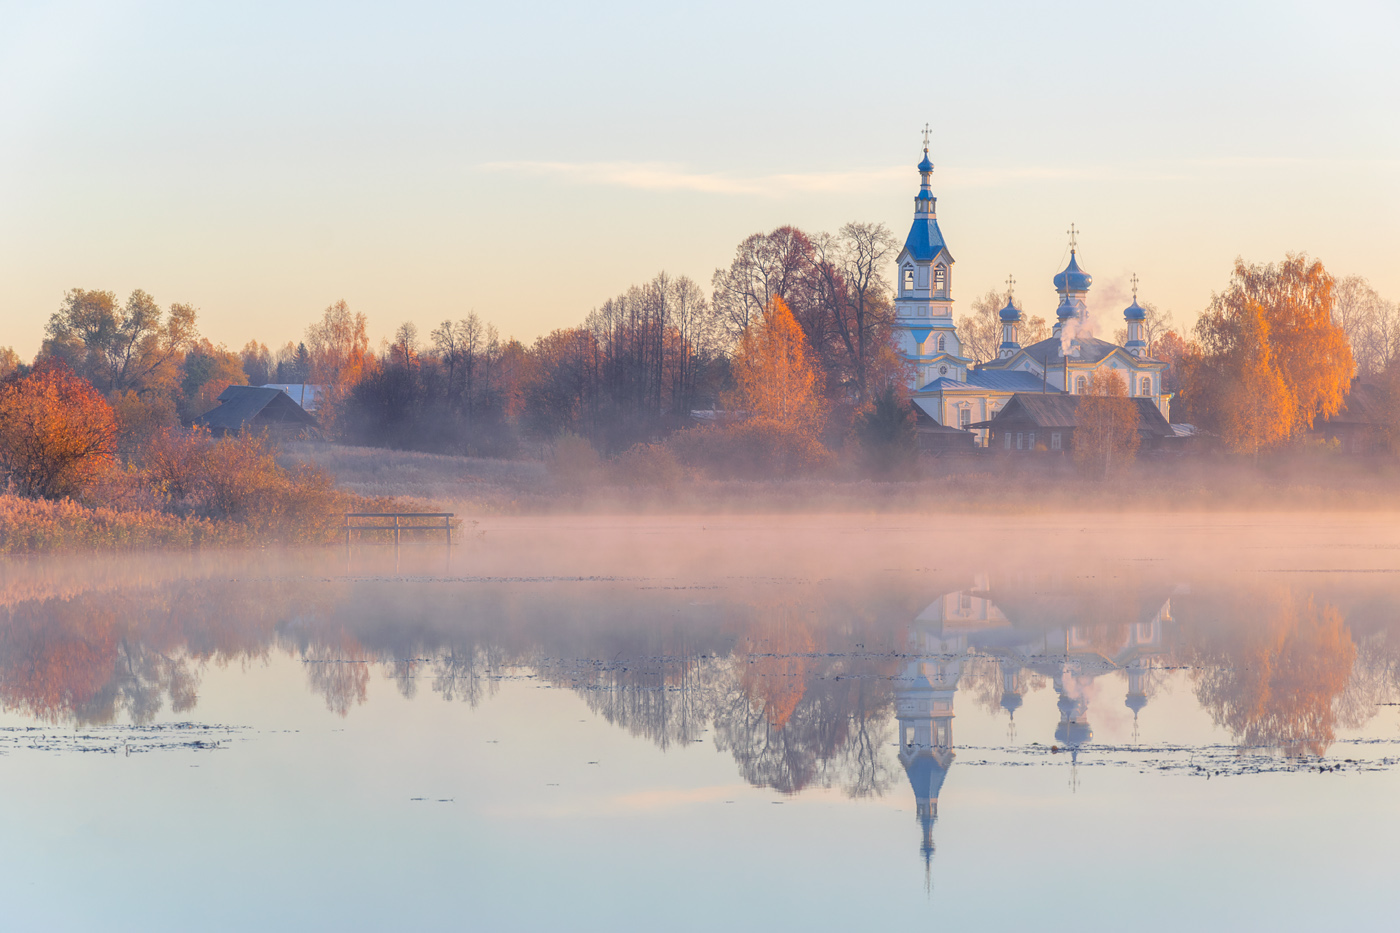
[[1059, 635]]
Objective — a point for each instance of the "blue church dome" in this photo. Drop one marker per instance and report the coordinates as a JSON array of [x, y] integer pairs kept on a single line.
[[1010, 314], [925, 165], [1135, 312], [1069, 307], [1073, 279]]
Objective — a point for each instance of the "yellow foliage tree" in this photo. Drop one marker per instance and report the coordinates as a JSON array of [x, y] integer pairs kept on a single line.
[[1106, 436], [775, 379], [1270, 360]]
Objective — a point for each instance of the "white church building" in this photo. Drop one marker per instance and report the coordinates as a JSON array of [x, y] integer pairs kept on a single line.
[[955, 391]]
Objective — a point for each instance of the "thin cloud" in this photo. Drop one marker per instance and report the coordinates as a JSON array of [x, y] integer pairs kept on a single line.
[[669, 176], [672, 176]]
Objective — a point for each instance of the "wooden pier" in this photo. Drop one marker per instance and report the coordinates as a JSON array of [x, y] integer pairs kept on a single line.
[[402, 521]]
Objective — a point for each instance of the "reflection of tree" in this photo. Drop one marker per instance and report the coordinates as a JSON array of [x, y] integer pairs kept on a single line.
[[338, 669], [1273, 677], [460, 673], [795, 714]]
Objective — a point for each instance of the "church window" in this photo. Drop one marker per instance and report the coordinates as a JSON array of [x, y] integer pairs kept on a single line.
[[908, 279], [940, 280], [1055, 441], [943, 370], [941, 344], [964, 417], [1080, 384], [1146, 385]]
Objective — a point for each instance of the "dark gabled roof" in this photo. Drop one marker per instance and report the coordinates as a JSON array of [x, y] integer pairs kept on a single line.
[[1365, 404], [1062, 411], [926, 424], [240, 405]]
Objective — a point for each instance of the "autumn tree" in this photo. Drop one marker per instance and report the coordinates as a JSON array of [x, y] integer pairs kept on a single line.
[[338, 346], [1106, 432], [1371, 323], [132, 347], [849, 289], [765, 266], [257, 363], [58, 435], [9, 361], [774, 379], [1272, 359], [205, 372]]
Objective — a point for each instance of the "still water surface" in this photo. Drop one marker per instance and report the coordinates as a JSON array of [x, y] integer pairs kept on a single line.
[[753, 724]]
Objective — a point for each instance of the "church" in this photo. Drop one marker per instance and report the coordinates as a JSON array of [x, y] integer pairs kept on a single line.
[[958, 392]]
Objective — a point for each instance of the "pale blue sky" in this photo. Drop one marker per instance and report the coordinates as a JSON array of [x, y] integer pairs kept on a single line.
[[421, 161]]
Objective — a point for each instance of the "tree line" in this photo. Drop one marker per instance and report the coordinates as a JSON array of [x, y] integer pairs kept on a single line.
[[788, 357]]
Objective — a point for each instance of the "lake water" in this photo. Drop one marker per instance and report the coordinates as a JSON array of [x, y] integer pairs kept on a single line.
[[1140, 722]]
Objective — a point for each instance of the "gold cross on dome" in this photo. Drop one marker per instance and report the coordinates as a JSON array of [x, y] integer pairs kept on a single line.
[[1073, 236], [926, 132], [1010, 286], [1135, 281]]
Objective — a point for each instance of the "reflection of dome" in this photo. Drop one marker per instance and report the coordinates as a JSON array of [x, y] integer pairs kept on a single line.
[[927, 774], [1135, 702], [1011, 702], [1073, 733], [1073, 279]]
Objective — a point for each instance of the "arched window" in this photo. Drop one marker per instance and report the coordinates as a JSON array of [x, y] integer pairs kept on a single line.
[[908, 278], [1146, 385], [940, 280], [1080, 384], [941, 343]]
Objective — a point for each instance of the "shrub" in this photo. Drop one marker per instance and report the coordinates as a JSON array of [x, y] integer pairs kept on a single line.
[[755, 449], [886, 434], [574, 463], [58, 436], [648, 465]]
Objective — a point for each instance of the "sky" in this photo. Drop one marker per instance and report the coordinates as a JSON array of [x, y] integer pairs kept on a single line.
[[529, 161]]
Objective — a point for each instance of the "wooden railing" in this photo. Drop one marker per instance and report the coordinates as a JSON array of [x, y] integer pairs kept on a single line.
[[403, 521]]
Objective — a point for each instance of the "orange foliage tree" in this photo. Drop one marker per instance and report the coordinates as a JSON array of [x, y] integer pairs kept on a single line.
[[1106, 436], [1271, 359], [775, 379], [57, 434]]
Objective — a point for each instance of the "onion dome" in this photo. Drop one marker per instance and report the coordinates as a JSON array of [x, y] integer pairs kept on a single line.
[[1134, 312], [1073, 279], [1010, 314], [925, 166], [1069, 307]]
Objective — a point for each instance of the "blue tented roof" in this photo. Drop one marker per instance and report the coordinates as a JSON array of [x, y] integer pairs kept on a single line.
[[925, 240]]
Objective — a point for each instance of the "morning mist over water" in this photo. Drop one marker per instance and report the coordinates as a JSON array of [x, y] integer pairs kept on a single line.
[[735, 697]]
